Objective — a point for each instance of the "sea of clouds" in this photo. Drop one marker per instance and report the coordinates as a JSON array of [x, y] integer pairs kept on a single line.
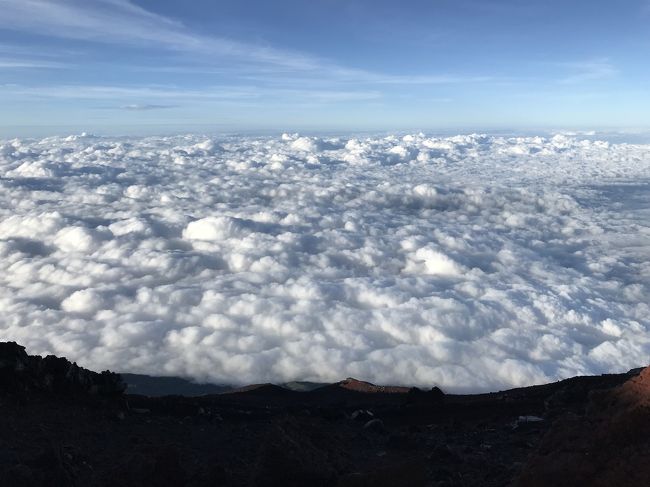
[[471, 262]]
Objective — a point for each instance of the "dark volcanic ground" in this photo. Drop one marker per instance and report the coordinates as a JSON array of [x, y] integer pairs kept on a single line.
[[61, 425]]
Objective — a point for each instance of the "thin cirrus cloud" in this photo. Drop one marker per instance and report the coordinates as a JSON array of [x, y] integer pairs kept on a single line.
[[10, 63], [166, 93], [119, 53], [13, 49], [122, 22], [591, 70], [97, 92], [135, 107]]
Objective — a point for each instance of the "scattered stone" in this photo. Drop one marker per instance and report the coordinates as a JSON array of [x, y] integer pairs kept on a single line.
[[444, 454], [374, 425], [529, 419], [19, 475], [288, 458], [526, 421], [362, 415], [159, 467], [403, 442]]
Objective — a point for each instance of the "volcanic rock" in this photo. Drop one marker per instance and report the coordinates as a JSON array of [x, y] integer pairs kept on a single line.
[[62, 425], [22, 373], [607, 446]]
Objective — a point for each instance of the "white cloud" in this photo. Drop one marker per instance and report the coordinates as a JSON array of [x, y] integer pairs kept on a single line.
[[591, 70], [471, 262], [99, 92], [27, 63], [121, 21], [172, 93], [137, 107]]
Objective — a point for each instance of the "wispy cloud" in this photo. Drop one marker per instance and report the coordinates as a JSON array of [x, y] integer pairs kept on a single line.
[[135, 107], [327, 74], [171, 93], [123, 22], [29, 64], [13, 56], [120, 21], [591, 70], [325, 96], [424, 79], [96, 92], [29, 51]]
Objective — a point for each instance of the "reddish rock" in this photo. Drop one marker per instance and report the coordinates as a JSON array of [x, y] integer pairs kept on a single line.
[[368, 388], [607, 446]]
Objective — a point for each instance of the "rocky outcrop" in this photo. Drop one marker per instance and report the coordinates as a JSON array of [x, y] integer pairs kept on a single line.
[[353, 384], [607, 445], [22, 373]]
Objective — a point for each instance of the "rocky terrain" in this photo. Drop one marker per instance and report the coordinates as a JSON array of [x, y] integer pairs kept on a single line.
[[62, 425]]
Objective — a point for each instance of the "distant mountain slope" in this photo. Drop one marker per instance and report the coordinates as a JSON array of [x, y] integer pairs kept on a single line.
[[147, 385]]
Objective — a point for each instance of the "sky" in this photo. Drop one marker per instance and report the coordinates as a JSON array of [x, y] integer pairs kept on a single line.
[[158, 66]]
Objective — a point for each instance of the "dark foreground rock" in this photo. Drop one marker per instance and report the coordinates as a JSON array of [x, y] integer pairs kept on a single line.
[[22, 373], [61, 425], [608, 445]]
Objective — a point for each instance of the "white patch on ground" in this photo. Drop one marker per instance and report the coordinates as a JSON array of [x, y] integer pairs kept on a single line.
[[470, 262]]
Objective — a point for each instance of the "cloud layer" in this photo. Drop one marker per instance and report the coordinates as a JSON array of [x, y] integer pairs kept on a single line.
[[471, 262]]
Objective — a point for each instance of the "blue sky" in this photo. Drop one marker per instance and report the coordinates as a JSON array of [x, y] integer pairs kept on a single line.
[[136, 66]]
